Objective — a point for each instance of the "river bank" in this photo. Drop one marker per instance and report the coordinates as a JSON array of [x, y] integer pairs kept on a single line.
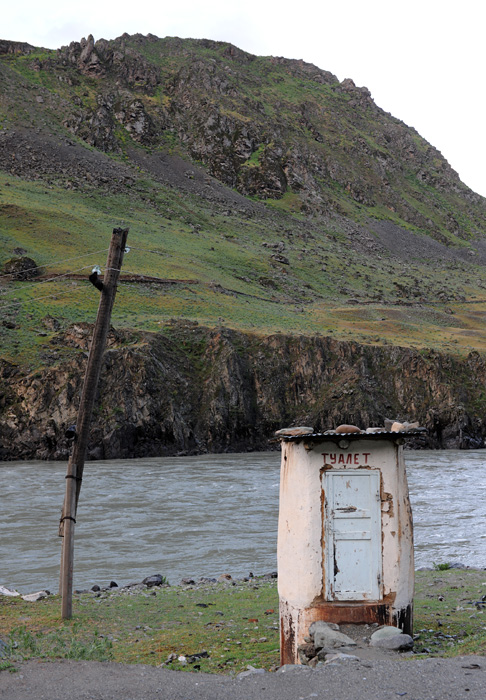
[[219, 627]]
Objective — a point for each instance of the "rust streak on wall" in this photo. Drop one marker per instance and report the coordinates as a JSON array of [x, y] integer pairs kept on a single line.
[[288, 647]]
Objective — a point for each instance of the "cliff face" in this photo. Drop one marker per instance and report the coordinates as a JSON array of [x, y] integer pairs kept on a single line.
[[195, 390]]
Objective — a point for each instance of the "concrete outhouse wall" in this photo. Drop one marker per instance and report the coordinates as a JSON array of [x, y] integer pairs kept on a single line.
[[311, 581]]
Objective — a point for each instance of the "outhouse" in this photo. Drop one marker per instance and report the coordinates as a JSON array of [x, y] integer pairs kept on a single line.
[[345, 534]]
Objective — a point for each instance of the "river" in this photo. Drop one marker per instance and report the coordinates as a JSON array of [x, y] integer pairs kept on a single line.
[[205, 515]]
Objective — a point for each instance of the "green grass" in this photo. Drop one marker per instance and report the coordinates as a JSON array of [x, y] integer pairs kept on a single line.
[[448, 618], [222, 273], [58, 644], [444, 566], [236, 625]]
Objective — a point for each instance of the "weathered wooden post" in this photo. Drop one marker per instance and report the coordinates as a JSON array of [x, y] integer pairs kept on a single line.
[[76, 461]]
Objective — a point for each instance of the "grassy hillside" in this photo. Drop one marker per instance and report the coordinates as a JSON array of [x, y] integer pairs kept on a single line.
[[261, 194], [212, 268]]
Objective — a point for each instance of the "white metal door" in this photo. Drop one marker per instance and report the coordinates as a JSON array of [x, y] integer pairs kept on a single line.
[[352, 534]]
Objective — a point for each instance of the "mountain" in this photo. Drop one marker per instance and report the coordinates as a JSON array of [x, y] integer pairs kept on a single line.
[[263, 197]]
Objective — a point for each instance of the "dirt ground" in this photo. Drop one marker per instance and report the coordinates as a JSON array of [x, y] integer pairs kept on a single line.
[[387, 679]]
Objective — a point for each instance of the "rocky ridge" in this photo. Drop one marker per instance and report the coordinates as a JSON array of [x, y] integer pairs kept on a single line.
[[267, 127]]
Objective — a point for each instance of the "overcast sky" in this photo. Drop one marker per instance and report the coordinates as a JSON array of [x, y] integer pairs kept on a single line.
[[422, 60]]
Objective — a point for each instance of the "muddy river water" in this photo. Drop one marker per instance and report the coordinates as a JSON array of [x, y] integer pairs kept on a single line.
[[206, 515]]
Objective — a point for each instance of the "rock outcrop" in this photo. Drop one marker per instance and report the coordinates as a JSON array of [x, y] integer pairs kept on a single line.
[[22, 268], [20, 48], [193, 389], [268, 127]]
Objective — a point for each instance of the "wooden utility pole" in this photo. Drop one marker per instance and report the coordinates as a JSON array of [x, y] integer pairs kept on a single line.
[[75, 467]]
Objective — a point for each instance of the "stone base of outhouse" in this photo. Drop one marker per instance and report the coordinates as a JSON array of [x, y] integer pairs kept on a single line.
[[295, 623]]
